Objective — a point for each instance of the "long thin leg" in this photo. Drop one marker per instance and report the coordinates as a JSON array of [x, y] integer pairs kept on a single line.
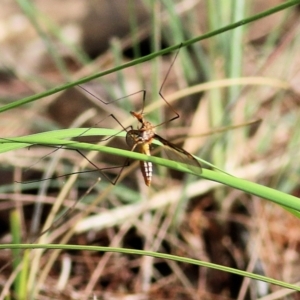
[[161, 95], [113, 101], [97, 169]]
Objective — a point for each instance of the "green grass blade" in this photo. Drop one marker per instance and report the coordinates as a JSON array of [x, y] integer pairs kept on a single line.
[[278, 197], [156, 255], [18, 259]]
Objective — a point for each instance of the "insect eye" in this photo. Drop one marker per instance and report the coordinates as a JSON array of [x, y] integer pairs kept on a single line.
[[131, 138]]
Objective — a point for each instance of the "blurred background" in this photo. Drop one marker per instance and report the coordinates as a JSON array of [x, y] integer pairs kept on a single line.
[[246, 74]]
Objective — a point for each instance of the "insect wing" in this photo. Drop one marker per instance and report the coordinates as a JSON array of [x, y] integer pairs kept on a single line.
[[178, 154]]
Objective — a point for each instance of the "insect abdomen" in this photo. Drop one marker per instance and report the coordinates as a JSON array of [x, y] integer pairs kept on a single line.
[[146, 168]]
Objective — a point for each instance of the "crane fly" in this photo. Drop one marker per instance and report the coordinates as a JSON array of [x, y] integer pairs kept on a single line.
[[140, 140]]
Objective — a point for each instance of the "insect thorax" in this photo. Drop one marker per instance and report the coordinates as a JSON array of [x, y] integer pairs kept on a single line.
[[146, 132]]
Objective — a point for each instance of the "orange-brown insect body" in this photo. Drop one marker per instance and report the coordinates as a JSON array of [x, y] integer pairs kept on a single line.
[[140, 140]]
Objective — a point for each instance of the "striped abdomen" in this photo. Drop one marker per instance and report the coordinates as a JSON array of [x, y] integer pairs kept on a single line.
[[146, 168]]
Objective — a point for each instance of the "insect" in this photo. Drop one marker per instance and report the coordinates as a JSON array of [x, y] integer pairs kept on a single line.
[[140, 140]]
